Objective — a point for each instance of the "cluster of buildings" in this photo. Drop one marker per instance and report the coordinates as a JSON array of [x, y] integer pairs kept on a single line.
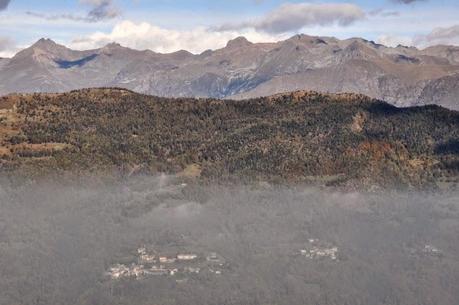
[[119, 271], [145, 257], [317, 251], [426, 250], [151, 264], [431, 250]]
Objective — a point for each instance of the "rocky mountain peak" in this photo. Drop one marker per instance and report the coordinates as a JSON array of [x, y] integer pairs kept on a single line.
[[45, 43], [181, 55], [45, 47], [238, 42], [112, 45], [303, 38], [44, 51], [115, 48]]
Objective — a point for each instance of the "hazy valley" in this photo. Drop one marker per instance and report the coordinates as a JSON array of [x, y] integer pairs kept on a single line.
[[157, 240]]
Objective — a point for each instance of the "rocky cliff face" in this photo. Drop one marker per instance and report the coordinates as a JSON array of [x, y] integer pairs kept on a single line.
[[302, 137], [443, 91], [402, 76]]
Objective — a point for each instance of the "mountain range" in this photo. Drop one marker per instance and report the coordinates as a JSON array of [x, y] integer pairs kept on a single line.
[[402, 76]]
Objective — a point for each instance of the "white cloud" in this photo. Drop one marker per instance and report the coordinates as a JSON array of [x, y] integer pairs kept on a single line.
[[292, 17], [438, 36], [5, 43], [393, 40], [7, 47], [447, 36], [147, 36]]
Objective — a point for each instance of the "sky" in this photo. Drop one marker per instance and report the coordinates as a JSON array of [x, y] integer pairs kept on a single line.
[[197, 25]]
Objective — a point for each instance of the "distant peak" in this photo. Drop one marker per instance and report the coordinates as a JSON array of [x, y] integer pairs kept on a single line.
[[44, 42], [301, 37], [181, 54], [206, 53], [357, 44], [45, 45], [400, 46], [111, 48], [112, 45], [238, 42]]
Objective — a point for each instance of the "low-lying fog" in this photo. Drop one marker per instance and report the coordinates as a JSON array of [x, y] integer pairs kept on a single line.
[[154, 240]]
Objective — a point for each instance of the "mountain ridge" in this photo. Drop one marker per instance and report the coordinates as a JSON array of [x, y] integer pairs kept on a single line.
[[403, 76]]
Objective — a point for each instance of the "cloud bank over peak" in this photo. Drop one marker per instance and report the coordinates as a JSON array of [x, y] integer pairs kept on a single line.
[[144, 35], [98, 22]]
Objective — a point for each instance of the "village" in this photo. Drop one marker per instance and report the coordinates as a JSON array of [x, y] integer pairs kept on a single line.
[[426, 251], [318, 250], [150, 263]]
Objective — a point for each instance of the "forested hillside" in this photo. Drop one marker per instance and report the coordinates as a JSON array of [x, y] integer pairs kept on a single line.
[[348, 140]]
